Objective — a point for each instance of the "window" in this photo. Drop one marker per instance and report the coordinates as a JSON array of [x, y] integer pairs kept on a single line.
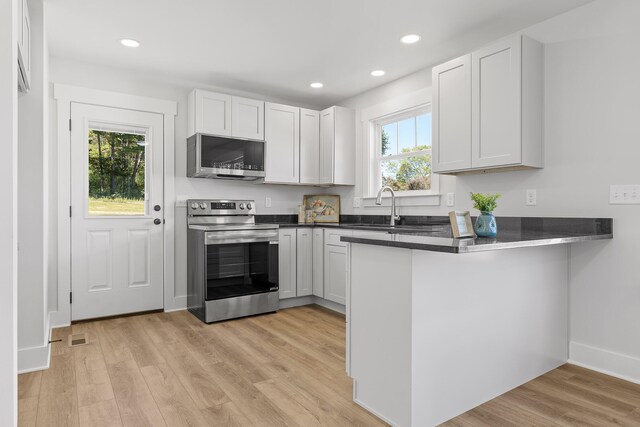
[[117, 177], [403, 151]]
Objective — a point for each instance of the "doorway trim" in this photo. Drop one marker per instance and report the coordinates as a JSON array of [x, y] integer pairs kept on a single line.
[[65, 95]]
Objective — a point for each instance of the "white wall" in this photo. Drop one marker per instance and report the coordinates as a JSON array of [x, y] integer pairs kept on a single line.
[[284, 198], [8, 213], [33, 323], [592, 140]]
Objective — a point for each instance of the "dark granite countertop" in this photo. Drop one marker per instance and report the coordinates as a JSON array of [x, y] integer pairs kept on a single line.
[[433, 233], [443, 242]]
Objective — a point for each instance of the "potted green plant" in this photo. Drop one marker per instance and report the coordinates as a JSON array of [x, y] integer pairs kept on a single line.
[[486, 225]]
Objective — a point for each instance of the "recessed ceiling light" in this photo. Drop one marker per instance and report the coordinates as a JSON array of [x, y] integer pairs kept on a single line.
[[129, 42], [316, 85], [410, 39], [377, 73]]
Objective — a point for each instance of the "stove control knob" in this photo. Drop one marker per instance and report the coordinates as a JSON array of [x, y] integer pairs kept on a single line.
[[249, 206], [203, 205], [194, 205], [241, 206]]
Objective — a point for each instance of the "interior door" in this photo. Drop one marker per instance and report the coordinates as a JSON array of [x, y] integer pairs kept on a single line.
[[116, 211]]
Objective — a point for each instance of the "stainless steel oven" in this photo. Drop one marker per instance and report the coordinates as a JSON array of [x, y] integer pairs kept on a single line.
[[232, 261], [211, 156]]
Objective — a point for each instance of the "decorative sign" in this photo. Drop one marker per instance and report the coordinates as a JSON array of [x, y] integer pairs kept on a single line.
[[324, 208]]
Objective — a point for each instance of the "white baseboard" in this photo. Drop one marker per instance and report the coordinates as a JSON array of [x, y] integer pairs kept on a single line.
[[296, 302], [178, 303], [312, 299], [59, 319], [330, 305], [36, 358], [606, 362]]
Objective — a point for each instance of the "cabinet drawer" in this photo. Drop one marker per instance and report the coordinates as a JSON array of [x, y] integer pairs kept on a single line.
[[332, 237]]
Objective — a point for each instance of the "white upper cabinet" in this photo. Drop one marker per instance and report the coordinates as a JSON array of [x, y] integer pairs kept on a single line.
[[247, 118], [451, 115], [506, 98], [282, 144], [309, 146], [210, 113], [225, 115], [24, 46], [337, 146]]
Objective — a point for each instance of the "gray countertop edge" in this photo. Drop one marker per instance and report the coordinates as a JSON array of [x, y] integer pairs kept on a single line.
[[455, 249]]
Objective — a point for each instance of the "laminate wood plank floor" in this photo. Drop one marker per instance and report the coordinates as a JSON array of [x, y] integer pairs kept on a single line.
[[170, 369], [287, 368]]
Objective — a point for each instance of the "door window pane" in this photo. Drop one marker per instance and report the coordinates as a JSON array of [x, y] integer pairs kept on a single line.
[[117, 175]]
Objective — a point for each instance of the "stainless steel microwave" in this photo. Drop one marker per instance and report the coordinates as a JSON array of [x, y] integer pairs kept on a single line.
[[210, 156]]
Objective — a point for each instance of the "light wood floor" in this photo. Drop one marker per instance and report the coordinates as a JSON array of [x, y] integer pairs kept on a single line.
[[278, 369], [171, 369]]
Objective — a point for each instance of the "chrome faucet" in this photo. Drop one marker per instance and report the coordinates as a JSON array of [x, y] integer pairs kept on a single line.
[[394, 216]]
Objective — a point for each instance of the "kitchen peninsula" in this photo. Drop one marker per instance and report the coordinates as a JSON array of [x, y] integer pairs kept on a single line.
[[437, 326]]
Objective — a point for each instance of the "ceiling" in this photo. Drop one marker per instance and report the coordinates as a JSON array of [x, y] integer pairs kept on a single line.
[[278, 47]]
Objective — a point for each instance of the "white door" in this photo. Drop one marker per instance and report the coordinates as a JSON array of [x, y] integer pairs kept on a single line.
[[451, 111], [282, 144], [496, 95], [212, 113], [327, 135], [287, 262], [116, 211], [335, 273], [304, 262], [309, 146], [247, 118]]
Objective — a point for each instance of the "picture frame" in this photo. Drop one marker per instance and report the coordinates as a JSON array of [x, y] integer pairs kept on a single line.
[[461, 225], [325, 207]]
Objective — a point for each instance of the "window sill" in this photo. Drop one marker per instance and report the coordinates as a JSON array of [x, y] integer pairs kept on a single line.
[[407, 199]]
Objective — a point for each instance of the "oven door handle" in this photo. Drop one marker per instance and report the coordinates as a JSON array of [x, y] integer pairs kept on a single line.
[[241, 236]]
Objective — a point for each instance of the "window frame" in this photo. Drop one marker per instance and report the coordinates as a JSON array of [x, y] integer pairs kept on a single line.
[[374, 177]]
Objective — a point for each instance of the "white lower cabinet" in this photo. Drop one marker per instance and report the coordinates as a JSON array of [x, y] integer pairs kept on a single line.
[[335, 273], [287, 260], [304, 264], [318, 262]]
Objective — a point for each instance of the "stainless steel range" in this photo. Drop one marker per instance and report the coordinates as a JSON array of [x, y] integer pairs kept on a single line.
[[232, 262]]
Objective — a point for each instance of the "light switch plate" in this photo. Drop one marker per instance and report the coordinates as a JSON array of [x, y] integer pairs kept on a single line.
[[267, 202], [531, 198], [451, 199], [627, 194], [357, 201]]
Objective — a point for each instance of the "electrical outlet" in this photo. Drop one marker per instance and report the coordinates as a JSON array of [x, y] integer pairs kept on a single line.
[[267, 202], [624, 194], [532, 198], [356, 202], [451, 199]]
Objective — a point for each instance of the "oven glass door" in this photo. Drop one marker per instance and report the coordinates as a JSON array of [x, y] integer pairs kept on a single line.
[[237, 269]]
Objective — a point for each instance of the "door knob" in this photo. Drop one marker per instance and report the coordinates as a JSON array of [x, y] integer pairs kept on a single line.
[[157, 221], [157, 208]]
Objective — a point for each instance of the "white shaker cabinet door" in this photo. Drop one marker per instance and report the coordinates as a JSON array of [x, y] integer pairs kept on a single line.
[[451, 115], [335, 273], [304, 265], [247, 118], [497, 104], [210, 113], [327, 141], [287, 254], [309, 146], [318, 262], [282, 144]]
